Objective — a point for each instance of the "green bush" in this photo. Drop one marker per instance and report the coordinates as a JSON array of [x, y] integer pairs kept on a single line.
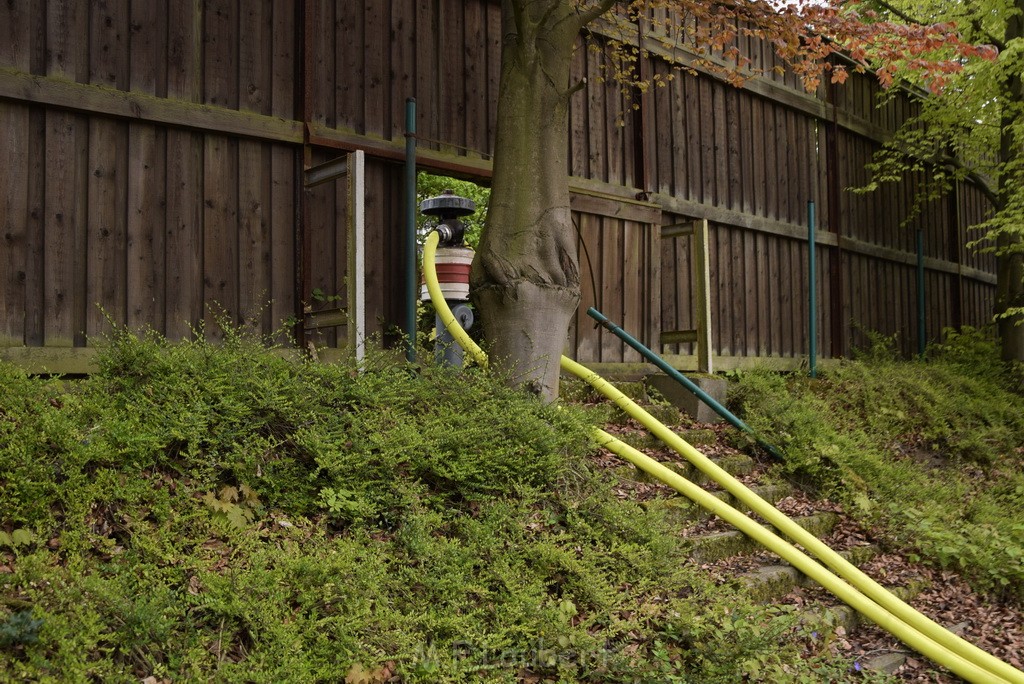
[[932, 450], [224, 512]]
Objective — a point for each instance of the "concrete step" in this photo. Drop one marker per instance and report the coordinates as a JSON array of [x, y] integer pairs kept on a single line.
[[718, 545]]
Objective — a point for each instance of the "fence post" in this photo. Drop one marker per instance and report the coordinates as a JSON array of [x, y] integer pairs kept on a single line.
[[356, 314]]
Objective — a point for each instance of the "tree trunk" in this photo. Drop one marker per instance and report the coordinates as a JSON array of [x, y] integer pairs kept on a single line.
[[525, 277]]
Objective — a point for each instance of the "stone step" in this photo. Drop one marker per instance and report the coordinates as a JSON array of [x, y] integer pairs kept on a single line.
[[841, 615], [888, 663], [769, 582], [696, 437], [718, 545], [735, 464], [681, 512]]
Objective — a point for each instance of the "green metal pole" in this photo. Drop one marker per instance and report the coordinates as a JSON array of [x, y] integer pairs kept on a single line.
[[410, 230], [920, 294], [681, 379], [812, 295]]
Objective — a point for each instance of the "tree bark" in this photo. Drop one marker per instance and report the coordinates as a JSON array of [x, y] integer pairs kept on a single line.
[[525, 277]]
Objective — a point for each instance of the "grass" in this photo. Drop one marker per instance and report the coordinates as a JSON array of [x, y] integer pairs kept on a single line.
[[933, 451], [200, 512]]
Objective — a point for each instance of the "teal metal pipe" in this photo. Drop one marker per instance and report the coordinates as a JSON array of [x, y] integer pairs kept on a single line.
[[410, 230], [812, 294], [681, 379]]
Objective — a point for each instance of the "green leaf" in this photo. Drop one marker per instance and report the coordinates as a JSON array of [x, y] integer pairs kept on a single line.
[[21, 537]]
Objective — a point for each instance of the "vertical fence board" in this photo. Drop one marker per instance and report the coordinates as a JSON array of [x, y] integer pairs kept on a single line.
[[14, 198], [146, 227]]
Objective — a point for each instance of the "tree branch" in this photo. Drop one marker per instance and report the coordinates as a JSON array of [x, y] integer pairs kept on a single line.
[[589, 15], [975, 24]]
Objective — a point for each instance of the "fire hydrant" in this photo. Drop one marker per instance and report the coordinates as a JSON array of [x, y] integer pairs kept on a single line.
[[453, 262]]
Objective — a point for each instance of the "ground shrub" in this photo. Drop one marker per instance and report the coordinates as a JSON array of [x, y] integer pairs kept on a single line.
[[224, 512], [934, 450]]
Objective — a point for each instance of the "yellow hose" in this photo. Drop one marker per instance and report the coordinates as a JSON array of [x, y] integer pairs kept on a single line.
[[799, 535], [799, 560], [886, 610]]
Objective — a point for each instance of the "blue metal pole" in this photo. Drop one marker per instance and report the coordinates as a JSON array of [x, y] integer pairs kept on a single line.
[[410, 230], [680, 378], [812, 295]]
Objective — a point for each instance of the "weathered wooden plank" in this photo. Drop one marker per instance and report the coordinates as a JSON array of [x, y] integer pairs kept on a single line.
[[588, 345], [632, 279], [597, 143], [591, 203], [320, 249], [765, 342], [283, 256], [674, 170], [67, 53], [16, 35], [494, 37], [106, 271], [610, 281], [721, 289], [751, 311], [66, 159], [14, 199], [256, 77], [652, 283], [668, 286], [475, 76], [579, 128], [108, 43], [220, 233], [65, 228], [801, 290], [221, 54], [384, 249], [146, 227], [255, 56], [16, 85], [254, 234], [692, 190], [185, 50], [147, 65], [737, 308], [450, 73], [146, 172], [376, 74], [785, 167], [733, 143], [709, 140], [34, 222], [346, 84], [772, 168], [320, 31], [402, 82], [428, 35], [106, 285]]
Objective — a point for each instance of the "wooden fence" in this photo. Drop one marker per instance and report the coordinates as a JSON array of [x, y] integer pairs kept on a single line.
[[155, 154]]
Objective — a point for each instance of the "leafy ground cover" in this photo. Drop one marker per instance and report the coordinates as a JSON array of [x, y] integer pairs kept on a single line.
[[931, 452], [223, 513]]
